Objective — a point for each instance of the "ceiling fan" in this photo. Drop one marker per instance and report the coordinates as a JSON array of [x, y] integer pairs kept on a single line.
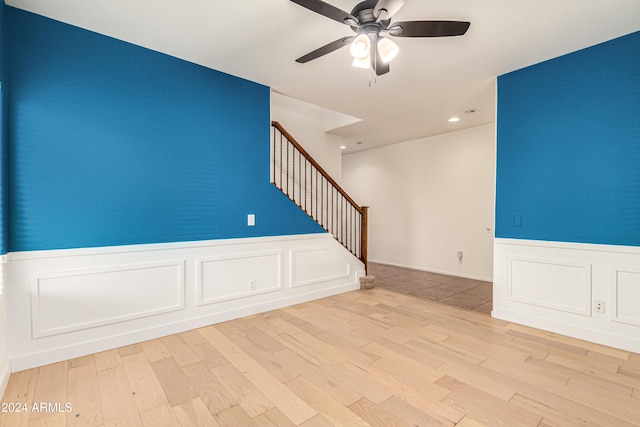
[[371, 21]]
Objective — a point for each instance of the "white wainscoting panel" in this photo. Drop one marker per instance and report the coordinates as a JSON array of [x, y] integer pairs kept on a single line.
[[316, 265], [66, 301], [553, 286], [625, 295], [230, 277], [559, 285], [64, 304]]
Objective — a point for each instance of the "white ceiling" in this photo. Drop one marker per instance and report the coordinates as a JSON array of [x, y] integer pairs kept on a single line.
[[430, 80]]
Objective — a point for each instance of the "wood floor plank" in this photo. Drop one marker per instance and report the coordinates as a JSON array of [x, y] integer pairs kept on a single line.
[[375, 415], [82, 360], [252, 400], [605, 377], [52, 387], [485, 408], [348, 343], [117, 400], [427, 404], [480, 378], [528, 374], [194, 413], [212, 392], [155, 350], [561, 412], [470, 422], [148, 392], [50, 420], [273, 418], [297, 338], [20, 391], [317, 421], [209, 355], [234, 416], [271, 362], [129, 349], [84, 396], [263, 341], [422, 379], [181, 352], [108, 359], [614, 404], [329, 408], [289, 403], [413, 415], [357, 383], [299, 348], [192, 338], [322, 379], [174, 382], [160, 416]]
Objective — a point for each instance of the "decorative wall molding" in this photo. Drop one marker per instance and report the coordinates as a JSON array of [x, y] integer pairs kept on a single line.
[[625, 295], [149, 291], [237, 276], [552, 286], [316, 265], [555, 284], [70, 300]]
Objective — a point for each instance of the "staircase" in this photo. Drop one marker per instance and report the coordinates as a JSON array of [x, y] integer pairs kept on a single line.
[[308, 185]]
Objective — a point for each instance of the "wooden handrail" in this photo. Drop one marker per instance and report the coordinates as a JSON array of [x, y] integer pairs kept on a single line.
[[311, 160], [339, 214]]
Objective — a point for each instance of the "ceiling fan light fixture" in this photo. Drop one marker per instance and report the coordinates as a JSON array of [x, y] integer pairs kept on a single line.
[[387, 50], [360, 47], [362, 62]]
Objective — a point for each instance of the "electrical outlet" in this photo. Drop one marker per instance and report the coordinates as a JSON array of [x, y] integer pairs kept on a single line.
[[252, 285], [598, 306]]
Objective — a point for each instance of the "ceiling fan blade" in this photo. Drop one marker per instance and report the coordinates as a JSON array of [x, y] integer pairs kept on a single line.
[[328, 48], [327, 10], [377, 63], [428, 28], [385, 9]]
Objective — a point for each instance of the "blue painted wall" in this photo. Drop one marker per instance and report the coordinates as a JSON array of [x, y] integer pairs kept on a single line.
[[114, 144], [568, 148]]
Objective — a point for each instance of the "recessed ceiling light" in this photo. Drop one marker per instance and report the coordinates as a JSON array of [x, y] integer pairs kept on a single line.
[[343, 147], [454, 119]]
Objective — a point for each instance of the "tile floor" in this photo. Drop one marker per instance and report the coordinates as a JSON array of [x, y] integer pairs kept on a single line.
[[457, 291]]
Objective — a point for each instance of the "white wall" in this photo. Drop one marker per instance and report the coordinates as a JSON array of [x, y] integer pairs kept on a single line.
[[429, 198], [310, 125]]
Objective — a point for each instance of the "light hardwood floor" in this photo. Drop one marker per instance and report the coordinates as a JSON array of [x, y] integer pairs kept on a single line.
[[362, 358]]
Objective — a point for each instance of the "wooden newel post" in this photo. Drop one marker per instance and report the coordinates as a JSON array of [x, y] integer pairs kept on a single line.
[[364, 237]]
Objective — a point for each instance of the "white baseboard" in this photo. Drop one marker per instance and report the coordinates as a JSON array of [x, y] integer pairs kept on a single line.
[[554, 286], [68, 303]]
